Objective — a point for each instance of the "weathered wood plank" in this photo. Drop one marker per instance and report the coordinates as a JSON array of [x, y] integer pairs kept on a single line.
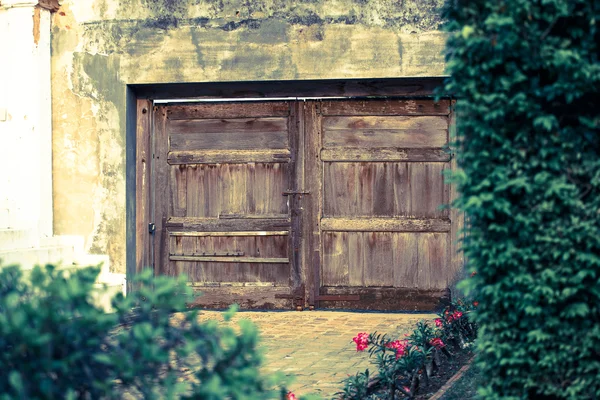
[[340, 189], [383, 190], [433, 266], [249, 233], [228, 156], [235, 126], [385, 225], [227, 140], [229, 259], [313, 203], [406, 259], [143, 211], [335, 259], [192, 224], [370, 132], [378, 259], [161, 185], [196, 196], [427, 190], [392, 299], [228, 110], [384, 155], [393, 107], [268, 184], [247, 297], [356, 259], [402, 190], [178, 188]]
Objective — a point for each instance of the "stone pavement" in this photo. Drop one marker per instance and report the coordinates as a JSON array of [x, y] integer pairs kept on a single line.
[[316, 346]]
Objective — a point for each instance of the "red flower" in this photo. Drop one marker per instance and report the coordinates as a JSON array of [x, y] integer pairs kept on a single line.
[[473, 273], [475, 303], [457, 315], [290, 396], [399, 346], [437, 343], [438, 322], [362, 341]]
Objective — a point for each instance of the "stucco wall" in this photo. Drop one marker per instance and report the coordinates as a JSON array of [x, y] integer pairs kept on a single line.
[[99, 46]]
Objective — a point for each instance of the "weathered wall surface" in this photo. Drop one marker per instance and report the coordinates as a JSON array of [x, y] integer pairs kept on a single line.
[[99, 46]]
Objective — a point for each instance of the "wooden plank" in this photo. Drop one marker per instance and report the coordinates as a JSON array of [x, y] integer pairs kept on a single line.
[[228, 110], [383, 190], [313, 203], [162, 196], [406, 259], [387, 299], [335, 259], [385, 154], [268, 184], [427, 190], [392, 107], [230, 259], [213, 190], [356, 259], [228, 141], [249, 233], [178, 180], [369, 132], [143, 209], [195, 191], [378, 259], [247, 297], [273, 248], [228, 156], [238, 127], [340, 189], [402, 192], [432, 249], [385, 225], [192, 224]]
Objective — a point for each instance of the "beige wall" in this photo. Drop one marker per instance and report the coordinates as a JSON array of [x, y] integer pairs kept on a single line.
[[99, 46]]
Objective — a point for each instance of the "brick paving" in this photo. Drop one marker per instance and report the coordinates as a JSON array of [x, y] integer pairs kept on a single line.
[[316, 346]]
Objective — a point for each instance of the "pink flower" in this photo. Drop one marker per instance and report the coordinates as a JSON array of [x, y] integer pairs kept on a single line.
[[473, 273], [437, 343], [290, 396], [475, 303], [406, 389], [399, 346], [457, 315], [362, 341], [438, 322]]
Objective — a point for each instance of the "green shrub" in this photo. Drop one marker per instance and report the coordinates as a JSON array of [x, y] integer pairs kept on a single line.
[[56, 343], [527, 78]]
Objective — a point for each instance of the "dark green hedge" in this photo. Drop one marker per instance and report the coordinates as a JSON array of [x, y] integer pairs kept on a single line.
[[527, 78]]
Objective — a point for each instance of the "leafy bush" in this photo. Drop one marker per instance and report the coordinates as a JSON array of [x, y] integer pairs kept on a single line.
[[56, 343], [404, 366], [527, 77]]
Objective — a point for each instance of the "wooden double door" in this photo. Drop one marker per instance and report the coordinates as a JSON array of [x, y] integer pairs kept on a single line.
[[286, 204]]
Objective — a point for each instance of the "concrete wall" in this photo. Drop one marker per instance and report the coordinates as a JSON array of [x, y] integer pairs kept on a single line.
[[99, 46]]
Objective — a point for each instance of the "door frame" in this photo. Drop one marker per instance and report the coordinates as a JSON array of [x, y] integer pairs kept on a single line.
[[140, 103]]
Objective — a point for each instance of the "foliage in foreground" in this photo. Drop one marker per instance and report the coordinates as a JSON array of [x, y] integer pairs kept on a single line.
[[527, 78], [404, 366], [56, 343]]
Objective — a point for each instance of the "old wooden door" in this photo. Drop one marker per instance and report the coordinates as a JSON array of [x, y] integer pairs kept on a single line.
[[225, 178], [380, 226]]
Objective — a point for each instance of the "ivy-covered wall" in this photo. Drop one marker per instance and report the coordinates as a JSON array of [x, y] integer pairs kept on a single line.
[[100, 46]]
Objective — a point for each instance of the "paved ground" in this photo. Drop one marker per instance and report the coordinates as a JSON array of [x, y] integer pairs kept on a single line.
[[317, 346]]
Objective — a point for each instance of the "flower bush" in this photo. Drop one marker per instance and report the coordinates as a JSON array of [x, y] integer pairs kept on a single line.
[[405, 365]]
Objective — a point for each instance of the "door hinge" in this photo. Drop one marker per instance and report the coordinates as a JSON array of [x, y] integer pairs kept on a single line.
[[151, 228]]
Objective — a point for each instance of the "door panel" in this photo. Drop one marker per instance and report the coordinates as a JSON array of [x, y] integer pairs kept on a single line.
[[220, 172], [384, 231]]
